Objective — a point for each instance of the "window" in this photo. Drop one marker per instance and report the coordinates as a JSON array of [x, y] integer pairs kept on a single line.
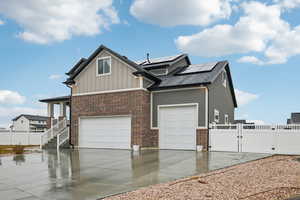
[[216, 116], [226, 120], [22, 121], [103, 66]]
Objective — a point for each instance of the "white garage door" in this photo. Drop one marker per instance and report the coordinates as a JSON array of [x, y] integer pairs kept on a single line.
[[105, 132], [177, 127]]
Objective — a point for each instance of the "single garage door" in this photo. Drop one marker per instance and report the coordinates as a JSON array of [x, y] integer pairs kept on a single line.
[[105, 132], [177, 127]]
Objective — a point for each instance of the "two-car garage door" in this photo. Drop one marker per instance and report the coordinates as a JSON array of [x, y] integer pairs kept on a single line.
[[105, 132]]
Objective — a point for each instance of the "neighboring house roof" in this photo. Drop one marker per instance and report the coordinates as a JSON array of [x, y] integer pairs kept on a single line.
[[32, 117], [56, 99], [162, 61], [77, 69]]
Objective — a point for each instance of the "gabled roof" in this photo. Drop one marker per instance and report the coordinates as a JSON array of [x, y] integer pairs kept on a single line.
[[162, 61], [77, 69], [32, 117], [178, 79], [81, 61]]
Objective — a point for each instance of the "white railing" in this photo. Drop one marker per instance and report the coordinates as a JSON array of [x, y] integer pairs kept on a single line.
[[52, 132], [19, 138], [62, 137]]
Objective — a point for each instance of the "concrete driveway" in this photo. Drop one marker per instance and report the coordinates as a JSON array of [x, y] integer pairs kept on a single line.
[[93, 173]]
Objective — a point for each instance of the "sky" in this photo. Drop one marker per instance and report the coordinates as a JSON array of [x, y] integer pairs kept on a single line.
[[41, 40]]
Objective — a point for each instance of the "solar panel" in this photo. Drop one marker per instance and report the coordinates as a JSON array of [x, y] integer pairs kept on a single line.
[[206, 67], [158, 60]]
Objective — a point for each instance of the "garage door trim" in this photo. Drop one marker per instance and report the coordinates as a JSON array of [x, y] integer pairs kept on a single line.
[[196, 105], [101, 116]]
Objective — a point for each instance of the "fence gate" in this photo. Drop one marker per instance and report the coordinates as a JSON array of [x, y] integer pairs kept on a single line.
[[276, 139]]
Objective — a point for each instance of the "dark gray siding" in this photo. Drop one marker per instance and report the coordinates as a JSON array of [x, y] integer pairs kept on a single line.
[[220, 98], [180, 97]]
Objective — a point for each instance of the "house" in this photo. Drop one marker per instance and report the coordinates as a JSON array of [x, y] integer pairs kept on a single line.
[[163, 102], [29, 123], [242, 121], [295, 118]]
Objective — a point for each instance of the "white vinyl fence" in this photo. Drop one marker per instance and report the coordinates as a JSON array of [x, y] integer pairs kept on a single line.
[[22, 138], [275, 139]]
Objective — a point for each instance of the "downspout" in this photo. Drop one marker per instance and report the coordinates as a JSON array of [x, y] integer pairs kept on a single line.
[[207, 121], [70, 114]]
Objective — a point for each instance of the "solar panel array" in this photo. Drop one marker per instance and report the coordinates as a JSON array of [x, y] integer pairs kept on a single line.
[[206, 67], [158, 60]]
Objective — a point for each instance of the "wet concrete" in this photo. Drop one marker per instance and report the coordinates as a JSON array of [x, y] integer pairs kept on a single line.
[[92, 173]]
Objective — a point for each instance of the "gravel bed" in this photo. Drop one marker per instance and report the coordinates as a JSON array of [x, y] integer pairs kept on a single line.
[[276, 178]]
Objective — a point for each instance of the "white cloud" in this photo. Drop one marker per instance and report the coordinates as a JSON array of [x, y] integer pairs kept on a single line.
[[261, 29], [244, 98], [57, 20], [11, 97], [1, 22], [250, 59], [15, 111], [179, 12], [55, 76]]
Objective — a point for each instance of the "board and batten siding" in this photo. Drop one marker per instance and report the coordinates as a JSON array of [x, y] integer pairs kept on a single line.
[[121, 77], [220, 98], [179, 97]]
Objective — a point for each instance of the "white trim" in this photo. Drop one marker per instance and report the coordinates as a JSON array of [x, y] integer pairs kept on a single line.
[[178, 105], [141, 82], [97, 66], [178, 89], [110, 91]]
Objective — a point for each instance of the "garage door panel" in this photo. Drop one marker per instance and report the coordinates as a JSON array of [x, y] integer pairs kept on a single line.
[[177, 127], [105, 132]]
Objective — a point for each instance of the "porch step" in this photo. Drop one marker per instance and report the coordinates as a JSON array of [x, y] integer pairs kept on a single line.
[[52, 144]]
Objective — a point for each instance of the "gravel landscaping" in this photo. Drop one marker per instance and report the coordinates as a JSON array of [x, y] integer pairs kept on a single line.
[[276, 177]]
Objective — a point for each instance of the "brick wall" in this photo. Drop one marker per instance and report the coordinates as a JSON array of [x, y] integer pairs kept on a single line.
[[134, 103], [202, 138]]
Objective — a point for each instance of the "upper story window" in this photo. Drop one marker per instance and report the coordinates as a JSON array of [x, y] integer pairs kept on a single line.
[[216, 116], [103, 66]]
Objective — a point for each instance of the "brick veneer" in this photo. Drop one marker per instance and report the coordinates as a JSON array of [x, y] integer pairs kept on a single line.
[[202, 138], [48, 123], [134, 103]]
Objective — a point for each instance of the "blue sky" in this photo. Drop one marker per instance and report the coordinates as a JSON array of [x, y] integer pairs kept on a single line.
[[39, 42]]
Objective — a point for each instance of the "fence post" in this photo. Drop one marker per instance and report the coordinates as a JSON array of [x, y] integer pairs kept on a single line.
[[28, 138], [57, 142], [41, 141]]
